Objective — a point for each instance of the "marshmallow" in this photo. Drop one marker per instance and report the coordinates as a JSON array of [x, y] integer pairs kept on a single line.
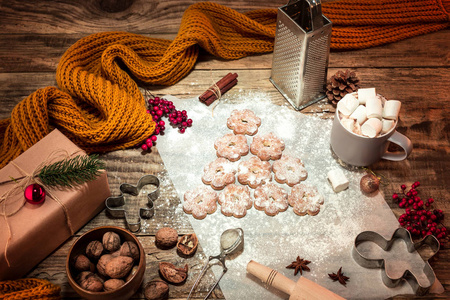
[[372, 127], [359, 114], [348, 104], [391, 109], [338, 180], [374, 108], [365, 94], [348, 124], [387, 125]]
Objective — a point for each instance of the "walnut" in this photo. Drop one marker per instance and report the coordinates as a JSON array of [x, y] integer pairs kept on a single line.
[[113, 284], [90, 282], [173, 274], [82, 263], [101, 264], [111, 241], [94, 249], [130, 249], [166, 238], [187, 245], [119, 266], [156, 290]]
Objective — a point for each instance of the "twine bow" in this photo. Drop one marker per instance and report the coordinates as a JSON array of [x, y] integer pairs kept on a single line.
[[10, 204]]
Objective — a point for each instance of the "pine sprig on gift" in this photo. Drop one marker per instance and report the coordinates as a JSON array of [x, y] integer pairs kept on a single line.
[[71, 171]]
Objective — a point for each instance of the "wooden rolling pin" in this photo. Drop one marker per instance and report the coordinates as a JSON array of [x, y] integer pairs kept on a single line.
[[302, 289]]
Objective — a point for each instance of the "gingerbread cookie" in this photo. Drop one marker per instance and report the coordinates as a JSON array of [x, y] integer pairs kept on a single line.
[[289, 170], [267, 146], [199, 202], [232, 146], [243, 122], [271, 198], [235, 200], [305, 199], [219, 173], [254, 172]]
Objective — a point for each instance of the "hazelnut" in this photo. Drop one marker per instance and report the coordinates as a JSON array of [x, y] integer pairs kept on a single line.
[[101, 264], [129, 249], [82, 263], [111, 241], [94, 249], [113, 284], [156, 290], [119, 266], [90, 282], [369, 184], [166, 238]]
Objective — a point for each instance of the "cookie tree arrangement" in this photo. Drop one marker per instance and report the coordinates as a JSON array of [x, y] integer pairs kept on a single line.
[[237, 189]]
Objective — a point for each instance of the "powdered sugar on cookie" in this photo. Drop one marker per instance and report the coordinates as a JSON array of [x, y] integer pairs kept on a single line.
[[219, 173], [254, 172], [200, 201], [243, 122], [271, 198], [289, 170], [235, 200], [305, 199], [232, 146], [267, 146]]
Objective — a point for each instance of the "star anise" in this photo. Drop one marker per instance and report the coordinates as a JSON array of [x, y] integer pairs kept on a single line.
[[299, 265], [339, 277]]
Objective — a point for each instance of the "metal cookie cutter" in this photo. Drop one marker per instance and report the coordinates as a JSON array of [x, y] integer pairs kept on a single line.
[[115, 204], [420, 283]]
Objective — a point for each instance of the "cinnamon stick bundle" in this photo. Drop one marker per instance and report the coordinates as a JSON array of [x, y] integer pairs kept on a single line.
[[224, 84]]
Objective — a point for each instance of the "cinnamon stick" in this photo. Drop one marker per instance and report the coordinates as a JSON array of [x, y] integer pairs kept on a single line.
[[224, 84], [223, 90]]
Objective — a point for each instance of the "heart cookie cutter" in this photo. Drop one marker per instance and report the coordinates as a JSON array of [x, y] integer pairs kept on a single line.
[[116, 204], [390, 281]]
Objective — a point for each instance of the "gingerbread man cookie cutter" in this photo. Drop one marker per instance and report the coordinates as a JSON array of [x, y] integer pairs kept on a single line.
[[116, 204], [420, 283]]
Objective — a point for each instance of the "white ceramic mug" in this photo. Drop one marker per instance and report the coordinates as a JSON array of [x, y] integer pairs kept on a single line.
[[358, 150]]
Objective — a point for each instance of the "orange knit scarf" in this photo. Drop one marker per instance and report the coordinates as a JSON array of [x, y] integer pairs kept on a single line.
[[29, 289], [100, 107]]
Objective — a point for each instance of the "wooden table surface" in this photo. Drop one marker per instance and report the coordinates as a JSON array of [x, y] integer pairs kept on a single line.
[[35, 34]]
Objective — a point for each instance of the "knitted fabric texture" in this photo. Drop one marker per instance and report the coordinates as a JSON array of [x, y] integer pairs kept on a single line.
[[100, 107], [29, 289]]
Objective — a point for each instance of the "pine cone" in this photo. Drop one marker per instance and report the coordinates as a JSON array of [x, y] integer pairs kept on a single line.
[[341, 84]]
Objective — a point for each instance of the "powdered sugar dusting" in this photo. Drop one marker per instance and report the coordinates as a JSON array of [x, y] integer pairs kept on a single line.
[[325, 239]]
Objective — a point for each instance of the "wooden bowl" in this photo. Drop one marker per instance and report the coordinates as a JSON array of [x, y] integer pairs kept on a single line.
[[124, 292]]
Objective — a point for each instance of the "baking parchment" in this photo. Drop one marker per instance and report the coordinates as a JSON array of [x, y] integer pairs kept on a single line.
[[325, 239]]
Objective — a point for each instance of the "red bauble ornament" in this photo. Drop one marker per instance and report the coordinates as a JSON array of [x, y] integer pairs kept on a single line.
[[34, 193]]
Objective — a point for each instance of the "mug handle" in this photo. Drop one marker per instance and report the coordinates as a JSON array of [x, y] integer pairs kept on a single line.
[[402, 141]]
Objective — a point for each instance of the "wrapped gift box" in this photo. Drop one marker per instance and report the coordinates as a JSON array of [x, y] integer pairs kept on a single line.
[[37, 230]]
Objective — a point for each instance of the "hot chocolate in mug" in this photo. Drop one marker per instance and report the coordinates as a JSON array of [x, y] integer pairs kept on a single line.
[[358, 150]]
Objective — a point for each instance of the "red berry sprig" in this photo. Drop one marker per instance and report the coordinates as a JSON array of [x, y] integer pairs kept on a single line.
[[419, 218], [158, 108]]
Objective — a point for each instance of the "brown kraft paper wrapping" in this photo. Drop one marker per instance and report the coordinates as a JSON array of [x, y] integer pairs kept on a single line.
[[37, 230]]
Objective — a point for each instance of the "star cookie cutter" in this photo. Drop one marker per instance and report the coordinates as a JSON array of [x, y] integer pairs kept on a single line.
[[116, 204], [417, 282]]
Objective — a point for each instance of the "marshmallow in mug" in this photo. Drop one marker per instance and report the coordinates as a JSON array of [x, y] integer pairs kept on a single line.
[[371, 119]]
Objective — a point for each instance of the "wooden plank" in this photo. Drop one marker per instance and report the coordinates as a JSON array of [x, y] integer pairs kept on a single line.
[[41, 53]]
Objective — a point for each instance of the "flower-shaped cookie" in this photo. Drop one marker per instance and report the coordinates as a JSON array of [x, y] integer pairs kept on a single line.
[[254, 172], [243, 122], [271, 198], [219, 173], [305, 199], [199, 202], [289, 170], [235, 200], [267, 146], [232, 146]]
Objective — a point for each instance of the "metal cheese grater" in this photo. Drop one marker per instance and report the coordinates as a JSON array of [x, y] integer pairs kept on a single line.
[[301, 51]]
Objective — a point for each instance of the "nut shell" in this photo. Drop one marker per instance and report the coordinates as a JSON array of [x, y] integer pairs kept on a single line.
[[101, 264], [111, 241], [119, 267], [166, 238], [187, 244], [173, 274], [90, 282], [156, 290], [82, 263]]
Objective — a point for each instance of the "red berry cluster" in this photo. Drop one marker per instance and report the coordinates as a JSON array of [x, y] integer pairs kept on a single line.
[[418, 218], [158, 108]]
